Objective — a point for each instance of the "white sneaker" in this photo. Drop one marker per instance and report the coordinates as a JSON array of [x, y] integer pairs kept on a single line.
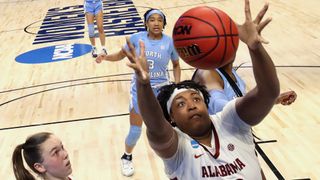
[[94, 52], [127, 167], [104, 51]]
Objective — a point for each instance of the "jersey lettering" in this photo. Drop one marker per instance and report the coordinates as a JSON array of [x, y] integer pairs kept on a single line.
[[223, 170]]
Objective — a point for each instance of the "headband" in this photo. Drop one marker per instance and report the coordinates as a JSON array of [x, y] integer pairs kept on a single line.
[[177, 91], [155, 11]]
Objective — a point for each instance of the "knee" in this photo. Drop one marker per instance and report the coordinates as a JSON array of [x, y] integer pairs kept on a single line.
[[100, 29], [133, 136], [91, 30]]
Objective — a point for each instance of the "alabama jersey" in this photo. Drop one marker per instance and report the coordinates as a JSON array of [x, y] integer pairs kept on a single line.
[[231, 155]]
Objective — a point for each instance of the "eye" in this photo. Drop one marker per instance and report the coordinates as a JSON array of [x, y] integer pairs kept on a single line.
[[197, 99], [54, 153], [180, 104]]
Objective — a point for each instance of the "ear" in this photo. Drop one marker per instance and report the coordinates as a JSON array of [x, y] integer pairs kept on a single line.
[[172, 121], [40, 168]]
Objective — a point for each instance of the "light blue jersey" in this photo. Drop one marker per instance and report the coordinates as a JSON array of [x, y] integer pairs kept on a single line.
[[219, 98], [158, 54]]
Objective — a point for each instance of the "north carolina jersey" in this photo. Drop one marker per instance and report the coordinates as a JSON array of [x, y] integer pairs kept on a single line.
[[231, 155], [158, 54], [219, 98]]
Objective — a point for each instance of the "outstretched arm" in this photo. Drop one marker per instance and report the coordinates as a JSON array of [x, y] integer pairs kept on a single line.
[[257, 103], [160, 133], [110, 57]]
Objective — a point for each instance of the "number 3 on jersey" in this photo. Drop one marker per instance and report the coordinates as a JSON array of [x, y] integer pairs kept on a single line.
[[151, 63]]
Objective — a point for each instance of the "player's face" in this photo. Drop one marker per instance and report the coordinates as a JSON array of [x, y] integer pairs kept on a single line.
[[155, 25], [190, 113], [56, 162]]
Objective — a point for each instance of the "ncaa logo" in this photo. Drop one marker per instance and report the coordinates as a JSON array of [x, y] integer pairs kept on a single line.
[[54, 53], [194, 144]]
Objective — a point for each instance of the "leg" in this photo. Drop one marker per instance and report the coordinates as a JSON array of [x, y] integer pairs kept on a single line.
[[135, 131], [99, 19], [90, 22], [131, 140]]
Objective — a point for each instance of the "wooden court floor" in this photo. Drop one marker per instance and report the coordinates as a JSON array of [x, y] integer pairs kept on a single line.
[[86, 104]]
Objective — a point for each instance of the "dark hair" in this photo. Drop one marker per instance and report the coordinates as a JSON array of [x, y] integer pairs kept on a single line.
[[145, 18], [31, 153], [166, 91]]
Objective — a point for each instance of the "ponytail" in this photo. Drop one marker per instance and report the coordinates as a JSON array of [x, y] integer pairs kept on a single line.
[[19, 170], [31, 154]]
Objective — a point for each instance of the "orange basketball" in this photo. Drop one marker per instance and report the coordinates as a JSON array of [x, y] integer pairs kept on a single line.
[[205, 37]]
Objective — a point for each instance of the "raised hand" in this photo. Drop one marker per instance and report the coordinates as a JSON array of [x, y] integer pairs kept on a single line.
[[250, 30], [138, 63], [286, 98]]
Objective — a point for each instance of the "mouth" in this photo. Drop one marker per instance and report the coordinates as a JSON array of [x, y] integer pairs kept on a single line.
[[195, 116]]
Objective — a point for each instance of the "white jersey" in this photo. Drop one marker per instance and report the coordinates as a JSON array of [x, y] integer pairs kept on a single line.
[[231, 155]]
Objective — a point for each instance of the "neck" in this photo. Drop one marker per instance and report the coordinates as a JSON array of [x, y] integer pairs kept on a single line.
[[205, 139], [154, 36]]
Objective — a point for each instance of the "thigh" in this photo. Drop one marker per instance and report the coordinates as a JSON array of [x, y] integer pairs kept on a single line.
[[90, 18], [99, 19]]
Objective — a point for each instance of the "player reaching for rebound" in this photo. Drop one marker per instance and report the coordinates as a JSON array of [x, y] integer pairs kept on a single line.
[[201, 146]]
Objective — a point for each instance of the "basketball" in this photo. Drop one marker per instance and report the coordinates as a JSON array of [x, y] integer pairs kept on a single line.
[[205, 37]]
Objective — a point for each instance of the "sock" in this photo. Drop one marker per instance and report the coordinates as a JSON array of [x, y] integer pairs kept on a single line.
[[127, 156]]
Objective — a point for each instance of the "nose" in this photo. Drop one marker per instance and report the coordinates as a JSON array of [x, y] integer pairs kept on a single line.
[[65, 154], [191, 105]]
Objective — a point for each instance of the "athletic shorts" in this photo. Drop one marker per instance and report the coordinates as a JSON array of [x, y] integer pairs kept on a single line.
[[93, 7]]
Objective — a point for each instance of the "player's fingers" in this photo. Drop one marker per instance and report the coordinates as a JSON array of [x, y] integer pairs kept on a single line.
[[133, 66], [263, 24], [247, 10], [261, 13], [131, 47], [129, 55], [142, 49], [262, 40]]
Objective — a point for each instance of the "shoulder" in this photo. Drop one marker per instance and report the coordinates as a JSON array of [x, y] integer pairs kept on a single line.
[[230, 119], [210, 78], [137, 35]]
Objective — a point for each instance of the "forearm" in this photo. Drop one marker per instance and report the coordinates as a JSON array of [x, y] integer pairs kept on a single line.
[[257, 103], [115, 56], [151, 111], [264, 73], [176, 73]]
